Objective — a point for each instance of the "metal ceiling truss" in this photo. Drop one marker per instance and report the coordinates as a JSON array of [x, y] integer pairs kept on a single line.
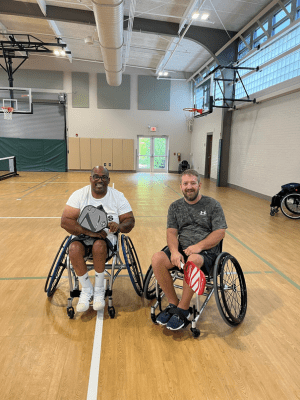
[[16, 49]]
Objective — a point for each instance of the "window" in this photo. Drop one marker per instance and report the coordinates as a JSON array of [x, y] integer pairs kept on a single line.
[[242, 48], [259, 31], [280, 20]]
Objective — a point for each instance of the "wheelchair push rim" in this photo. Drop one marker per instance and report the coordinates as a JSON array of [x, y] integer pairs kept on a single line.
[[290, 205], [230, 289], [150, 285], [132, 264], [57, 268]]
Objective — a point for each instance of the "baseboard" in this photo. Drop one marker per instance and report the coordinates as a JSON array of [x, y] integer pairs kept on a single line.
[[251, 192]]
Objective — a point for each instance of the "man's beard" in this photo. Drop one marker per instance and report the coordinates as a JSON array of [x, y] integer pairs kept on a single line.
[[191, 195]]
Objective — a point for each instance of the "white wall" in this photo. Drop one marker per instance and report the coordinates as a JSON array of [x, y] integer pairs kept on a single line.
[[211, 123], [95, 123], [265, 145]]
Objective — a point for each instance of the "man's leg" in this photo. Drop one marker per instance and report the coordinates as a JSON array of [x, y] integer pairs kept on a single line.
[[161, 266], [177, 321], [76, 254], [99, 257], [187, 292]]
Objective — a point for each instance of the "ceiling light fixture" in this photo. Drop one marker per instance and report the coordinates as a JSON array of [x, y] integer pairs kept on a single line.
[[195, 15], [166, 73], [160, 73], [204, 16]]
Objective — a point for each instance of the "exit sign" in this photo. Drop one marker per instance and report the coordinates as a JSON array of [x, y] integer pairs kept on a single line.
[[153, 128]]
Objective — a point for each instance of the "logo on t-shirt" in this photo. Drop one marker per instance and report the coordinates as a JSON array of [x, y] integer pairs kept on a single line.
[[110, 218], [202, 212]]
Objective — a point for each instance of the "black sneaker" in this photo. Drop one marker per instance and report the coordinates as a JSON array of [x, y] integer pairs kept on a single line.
[[164, 316], [179, 320]]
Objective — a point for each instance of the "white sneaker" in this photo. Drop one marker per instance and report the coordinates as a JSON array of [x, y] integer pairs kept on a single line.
[[99, 298], [85, 297]]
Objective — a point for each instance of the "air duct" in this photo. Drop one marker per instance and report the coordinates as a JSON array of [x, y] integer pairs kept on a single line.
[[109, 22]]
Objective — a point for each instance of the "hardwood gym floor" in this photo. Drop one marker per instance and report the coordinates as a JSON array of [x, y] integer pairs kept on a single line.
[[47, 356]]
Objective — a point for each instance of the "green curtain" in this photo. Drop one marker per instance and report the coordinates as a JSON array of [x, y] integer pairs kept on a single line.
[[36, 154]]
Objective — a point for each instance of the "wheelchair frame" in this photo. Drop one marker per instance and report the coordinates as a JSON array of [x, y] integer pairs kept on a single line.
[[112, 270], [288, 200], [230, 291]]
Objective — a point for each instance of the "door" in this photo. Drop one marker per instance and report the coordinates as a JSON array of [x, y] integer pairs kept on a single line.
[[208, 155], [152, 154]]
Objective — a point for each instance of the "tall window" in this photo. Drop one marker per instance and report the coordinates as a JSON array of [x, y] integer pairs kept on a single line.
[[281, 20]]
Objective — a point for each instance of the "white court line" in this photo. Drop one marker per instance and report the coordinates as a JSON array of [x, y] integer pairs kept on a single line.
[[29, 217], [95, 363]]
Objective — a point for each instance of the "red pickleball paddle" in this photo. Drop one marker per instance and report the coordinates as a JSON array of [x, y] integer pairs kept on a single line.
[[194, 277]]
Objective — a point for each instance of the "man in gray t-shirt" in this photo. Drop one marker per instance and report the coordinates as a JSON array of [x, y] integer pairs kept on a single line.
[[196, 225]]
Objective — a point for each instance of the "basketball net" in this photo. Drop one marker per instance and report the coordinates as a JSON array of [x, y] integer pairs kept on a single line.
[[7, 111], [189, 119]]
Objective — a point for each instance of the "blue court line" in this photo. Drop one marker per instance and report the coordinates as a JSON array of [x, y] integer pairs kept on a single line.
[[265, 261]]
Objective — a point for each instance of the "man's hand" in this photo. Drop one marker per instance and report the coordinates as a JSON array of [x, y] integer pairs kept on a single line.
[[194, 249], [176, 258], [102, 234], [113, 227]]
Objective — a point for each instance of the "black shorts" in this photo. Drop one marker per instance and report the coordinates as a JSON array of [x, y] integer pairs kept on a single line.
[[88, 243], [208, 257]]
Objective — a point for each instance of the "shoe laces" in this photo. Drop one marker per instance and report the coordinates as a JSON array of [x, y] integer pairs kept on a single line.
[[85, 296]]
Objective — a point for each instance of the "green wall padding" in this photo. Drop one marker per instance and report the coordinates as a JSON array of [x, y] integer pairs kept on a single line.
[[36, 154]]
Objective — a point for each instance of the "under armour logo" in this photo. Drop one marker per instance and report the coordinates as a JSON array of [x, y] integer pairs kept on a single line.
[[202, 212]]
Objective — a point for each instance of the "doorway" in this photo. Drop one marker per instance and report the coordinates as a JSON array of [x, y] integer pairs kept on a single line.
[[209, 139], [152, 154]]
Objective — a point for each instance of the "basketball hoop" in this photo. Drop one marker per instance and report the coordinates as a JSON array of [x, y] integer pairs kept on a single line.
[[7, 111], [189, 117]]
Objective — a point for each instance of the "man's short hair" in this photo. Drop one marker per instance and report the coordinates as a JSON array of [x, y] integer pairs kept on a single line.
[[105, 170], [191, 172]]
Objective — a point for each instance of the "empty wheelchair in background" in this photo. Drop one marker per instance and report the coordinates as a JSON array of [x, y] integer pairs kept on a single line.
[[226, 281], [62, 268], [183, 165], [288, 200]]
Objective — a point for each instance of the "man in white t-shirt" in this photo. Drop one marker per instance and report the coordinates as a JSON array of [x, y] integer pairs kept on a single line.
[[85, 242]]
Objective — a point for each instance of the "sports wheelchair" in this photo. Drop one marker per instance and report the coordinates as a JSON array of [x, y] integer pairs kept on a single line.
[[62, 264], [288, 199], [225, 280]]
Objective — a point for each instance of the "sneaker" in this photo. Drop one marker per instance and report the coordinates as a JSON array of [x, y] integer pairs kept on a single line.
[[85, 297], [164, 316], [99, 298], [177, 321]]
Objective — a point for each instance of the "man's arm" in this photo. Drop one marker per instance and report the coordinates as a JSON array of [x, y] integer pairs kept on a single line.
[[209, 242], [70, 224], [172, 241], [125, 225]]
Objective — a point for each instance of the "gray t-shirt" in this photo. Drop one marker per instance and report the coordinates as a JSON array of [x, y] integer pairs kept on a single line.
[[195, 222]]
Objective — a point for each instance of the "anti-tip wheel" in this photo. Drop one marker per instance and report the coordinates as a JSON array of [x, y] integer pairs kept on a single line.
[[70, 312]]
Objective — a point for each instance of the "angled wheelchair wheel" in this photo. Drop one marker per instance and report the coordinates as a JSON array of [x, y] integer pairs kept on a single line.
[[150, 285], [57, 268], [132, 264], [230, 289], [290, 205]]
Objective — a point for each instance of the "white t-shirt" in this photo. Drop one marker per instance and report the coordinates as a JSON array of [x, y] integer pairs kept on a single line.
[[114, 203]]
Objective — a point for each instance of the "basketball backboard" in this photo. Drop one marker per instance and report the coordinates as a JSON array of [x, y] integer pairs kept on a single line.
[[19, 99], [204, 96]]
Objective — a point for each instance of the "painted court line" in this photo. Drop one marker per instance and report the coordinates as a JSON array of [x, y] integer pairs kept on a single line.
[[95, 363], [266, 262]]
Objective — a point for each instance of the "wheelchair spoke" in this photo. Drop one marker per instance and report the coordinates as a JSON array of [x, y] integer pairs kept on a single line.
[[231, 294]]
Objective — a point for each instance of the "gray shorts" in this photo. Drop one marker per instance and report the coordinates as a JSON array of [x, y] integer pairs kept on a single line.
[[208, 257]]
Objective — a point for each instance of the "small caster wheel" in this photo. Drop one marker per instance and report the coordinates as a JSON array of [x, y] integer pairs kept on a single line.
[[272, 213], [70, 312], [195, 332], [111, 312]]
